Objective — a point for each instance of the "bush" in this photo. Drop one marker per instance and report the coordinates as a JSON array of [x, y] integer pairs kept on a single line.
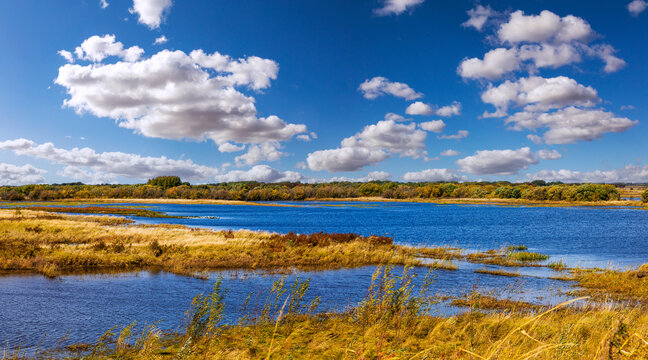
[[644, 196]]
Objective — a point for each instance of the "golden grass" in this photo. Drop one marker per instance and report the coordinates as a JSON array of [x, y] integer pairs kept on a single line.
[[619, 285], [479, 301], [497, 272], [393, 323], [53, 244]]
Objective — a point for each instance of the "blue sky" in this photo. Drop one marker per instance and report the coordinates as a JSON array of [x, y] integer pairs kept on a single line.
[[300, 90]]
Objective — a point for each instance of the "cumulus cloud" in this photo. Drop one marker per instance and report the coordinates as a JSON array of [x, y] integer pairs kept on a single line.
[[458, 136], [395, 117], [627, 174], [433, 126], [636, 7], [68, 56], [372, 176], [498, 162], [372, 145], [450, 110], [103, 4], [537, 41], [108, 165], [258, 153], [420, 108], [229, 147], [539, 94], [449, 152], [434, 175], [160, 40], [545, 27], [549, 155], [260, 173], [96, 48], [345, 159], [496, 63], [396, 7], [19, 175], [151, 12], [378, 86], [570, 124], [399, 138], [479, 16], [174, 95]]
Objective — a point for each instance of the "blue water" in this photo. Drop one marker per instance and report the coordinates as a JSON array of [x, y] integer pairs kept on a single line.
[[83, 307], [581, 236]]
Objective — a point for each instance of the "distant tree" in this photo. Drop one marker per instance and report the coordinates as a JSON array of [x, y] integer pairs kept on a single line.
[[539, 183], [165, 182], [644, 196]]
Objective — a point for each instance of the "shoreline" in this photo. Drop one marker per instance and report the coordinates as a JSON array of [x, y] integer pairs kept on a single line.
[[296, 203]]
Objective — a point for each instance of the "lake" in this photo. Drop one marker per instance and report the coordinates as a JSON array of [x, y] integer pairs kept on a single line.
[[82, 307]]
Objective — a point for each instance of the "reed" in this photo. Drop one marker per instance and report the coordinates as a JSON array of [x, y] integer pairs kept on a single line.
[[394, 322]]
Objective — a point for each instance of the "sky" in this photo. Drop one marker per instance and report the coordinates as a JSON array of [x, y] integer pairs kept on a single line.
[[120, 91]]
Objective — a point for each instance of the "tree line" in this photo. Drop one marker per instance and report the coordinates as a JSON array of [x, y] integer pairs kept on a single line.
[[171, 187]]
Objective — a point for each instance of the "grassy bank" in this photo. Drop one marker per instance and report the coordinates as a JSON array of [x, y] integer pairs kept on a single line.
[[392, 322], [51, 244]]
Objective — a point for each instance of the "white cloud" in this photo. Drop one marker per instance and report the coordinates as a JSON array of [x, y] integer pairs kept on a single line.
[[103, 4], [395, 117], [229, 147], [372, 145], [419, 108], [459, 135], [627, 174], [87, 176], [173, 95], [160, 40], [449, 110], [260, 173], [396, 7], [96, 48], [570, 124], [19, 175], [403, 139], [345, 159], [68, 56], [636, 7], [549, 155], [258, 153], [496, 63], [538, 41], [372, 176], [539, 94], [433, 126], [546, 27], [479, 16], [151, 12], [109, 164], [606, 53], [498, 162], [378, 175], [303, 137], [378, 86], [434, 175], [449, 152]]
